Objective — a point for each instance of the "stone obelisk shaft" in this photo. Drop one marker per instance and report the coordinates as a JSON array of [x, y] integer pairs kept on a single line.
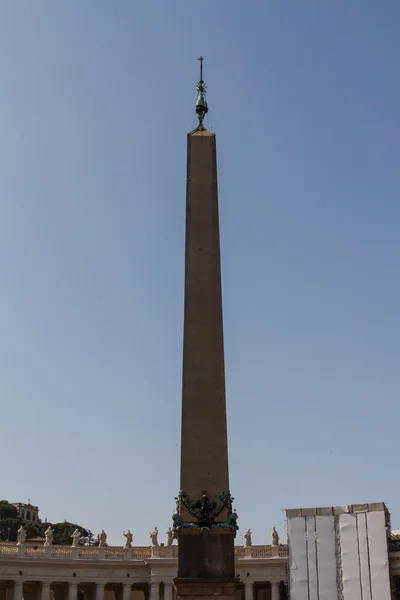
[[204, 451], [205, 532]]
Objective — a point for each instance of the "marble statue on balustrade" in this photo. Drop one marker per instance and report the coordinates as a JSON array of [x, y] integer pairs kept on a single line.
[[102, 537], [170, 537], [154, 536], [129, 539], [21, 535], [48, 534], [247, 538], [76, 538], [275, 537]]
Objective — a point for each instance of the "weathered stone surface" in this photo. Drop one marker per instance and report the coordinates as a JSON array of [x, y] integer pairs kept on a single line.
[[206, 558], [206, 554], [207, 590], [204, 450]]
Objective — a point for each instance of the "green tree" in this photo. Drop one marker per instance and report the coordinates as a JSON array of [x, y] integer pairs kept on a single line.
[[89, 540], [7, 510], [63, 533], [9, 529], [33, 529], [10, 522]]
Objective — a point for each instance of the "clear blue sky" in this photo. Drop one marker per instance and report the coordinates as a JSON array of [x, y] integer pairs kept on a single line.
[[96, 100]]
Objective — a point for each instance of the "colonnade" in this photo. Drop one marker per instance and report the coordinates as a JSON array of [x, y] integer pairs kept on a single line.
[[69, 590]]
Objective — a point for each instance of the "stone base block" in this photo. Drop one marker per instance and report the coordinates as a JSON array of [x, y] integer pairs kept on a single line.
[[206, 554], [203, 589]]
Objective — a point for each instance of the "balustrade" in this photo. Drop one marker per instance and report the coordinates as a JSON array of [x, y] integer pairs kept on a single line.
[[119, 553], [261, 551]]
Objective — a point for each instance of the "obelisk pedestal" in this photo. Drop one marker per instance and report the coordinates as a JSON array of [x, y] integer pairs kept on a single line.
[[204, 523]]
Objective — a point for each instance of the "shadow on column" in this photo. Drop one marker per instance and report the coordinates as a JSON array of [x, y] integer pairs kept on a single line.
[[59, 590], [6, 590], [31, 590], [283, 591], [86, 591], [140, 592], [262, 591]]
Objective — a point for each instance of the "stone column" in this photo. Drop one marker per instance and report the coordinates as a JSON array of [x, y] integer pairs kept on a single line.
[[154, 590], [127, 591], [18, 588], [167, 591], [248, 590], [275, 590], [72, 591], [45, 593], [99, 591]]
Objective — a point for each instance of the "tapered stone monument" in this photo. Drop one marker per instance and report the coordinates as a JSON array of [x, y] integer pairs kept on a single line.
[[204, 522]]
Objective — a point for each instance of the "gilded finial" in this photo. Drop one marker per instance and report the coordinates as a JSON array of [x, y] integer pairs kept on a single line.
[[201, 104]]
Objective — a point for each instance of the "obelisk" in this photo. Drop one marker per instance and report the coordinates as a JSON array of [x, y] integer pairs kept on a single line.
[[204, 523]]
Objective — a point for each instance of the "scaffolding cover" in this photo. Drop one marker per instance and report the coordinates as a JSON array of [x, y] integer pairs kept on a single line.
[[339, 553]]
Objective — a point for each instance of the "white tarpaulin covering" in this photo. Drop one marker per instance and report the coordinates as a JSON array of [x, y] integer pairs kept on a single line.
[[378, 556], [298, 559], [338, 552], [363, 551], [312, 559], [350, 558], [326, 558]]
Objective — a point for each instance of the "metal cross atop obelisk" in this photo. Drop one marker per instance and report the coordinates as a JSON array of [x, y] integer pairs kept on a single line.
[[201, 67], [204, 522], [201, 104]]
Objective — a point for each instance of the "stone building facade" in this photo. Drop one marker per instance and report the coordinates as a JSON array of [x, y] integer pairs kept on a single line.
[[138, 573], [29, 572], [114, 573], [28, 512]]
